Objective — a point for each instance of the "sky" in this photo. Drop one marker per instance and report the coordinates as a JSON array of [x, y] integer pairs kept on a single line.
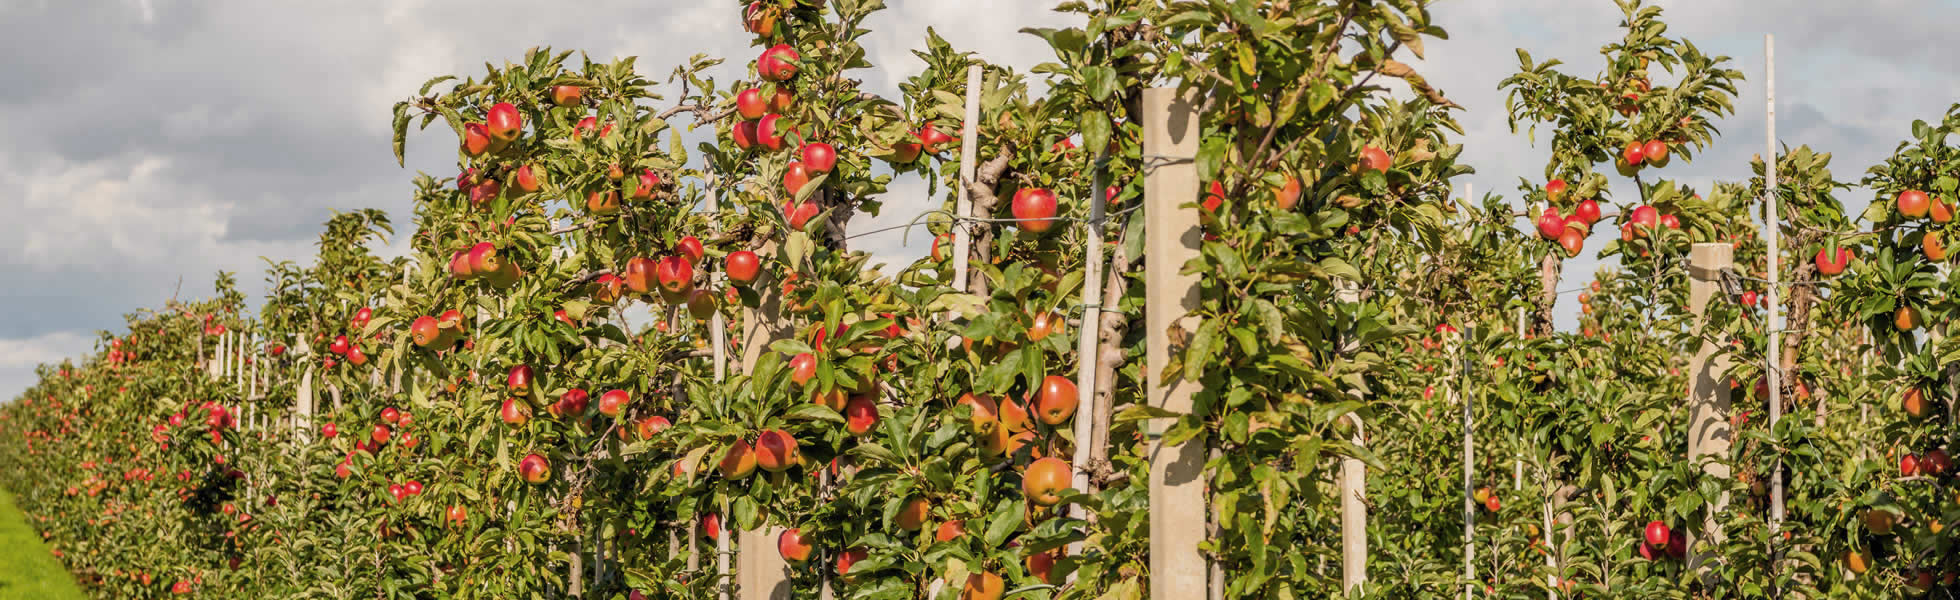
[[147, 144]]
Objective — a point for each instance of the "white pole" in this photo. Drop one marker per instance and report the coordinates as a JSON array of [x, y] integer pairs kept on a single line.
[[969, 151], [718, 339], [1086, 417], [1772, 220], [1462, 394]]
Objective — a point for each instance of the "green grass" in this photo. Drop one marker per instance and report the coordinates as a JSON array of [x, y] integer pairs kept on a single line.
[[27, 569]]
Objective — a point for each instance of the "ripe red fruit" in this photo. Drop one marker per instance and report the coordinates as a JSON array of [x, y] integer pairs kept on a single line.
[[743, 134], [1645, 218], [456, 514], [1035, 207], [913, 514], [847, 558], [651, 425], [1374, 159], [566, 95], [860, 414], [799, 215], [639, 275], [905, 152], [1655, 152], [802, 368], [793, 547], [391, 415], [534, 469], [505, 123], [1057, 400], [711, 526], [1634, 153], [1044, 481], [329, 430], [476, 139], [1572, 241], [647, 185], [1555, 190], [983, 586], [1749, 298], [759, 19], [1670, 221], [739, 461], [571, 403], [931, 138], [1041, 564], [380, 434], [514, 412], [1935, 462], [743, 266], [1586, 212], [750, 104], [519, 380], [819, 158], [775, 450], [1913, 203], [1550, 224], [1829, 266], [586, 126], [424, 331], [950, 530], [691, 249], [483, 258], [1908, 465], [795, 177], [778, 63], [613, 402], [676, 276], [414, 488], [1285, 197], [1656, 534], [339, 345]]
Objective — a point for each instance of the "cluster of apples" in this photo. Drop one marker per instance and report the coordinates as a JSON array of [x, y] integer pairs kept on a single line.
[[1638, 154], [437, 332], [1569, 231], [670, 277], [377, 438], [774, 451], [482, 261], [1916, 204], [1933, 463], [1643, 220]]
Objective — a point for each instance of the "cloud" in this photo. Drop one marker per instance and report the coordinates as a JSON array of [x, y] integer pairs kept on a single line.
[[150, 144]]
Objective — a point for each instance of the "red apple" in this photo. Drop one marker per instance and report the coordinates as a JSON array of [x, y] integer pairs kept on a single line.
[[1645, 218], [1555, 190], [519, 380], [648, 185], [1035, 207], [514, 412], [1657, 534], [1550, 224], [505, 123], [860, 414], [329, 431], [795, 177], [613, 402], [743, 266], [819, 158], [743, 134], [1828, 266], [793, 547], [691, 249], [1057, 399], [1587, 212], [528, 179], [566, 95], [701, 304], [750, 104], [1634, 153], [424, 331], [484, 259], [778, 63], [534, 469], [799, 215], [476, 139], [675, 275], [1373, 158], [770, 130], [639, 275], [1913, 203], [802, 368]]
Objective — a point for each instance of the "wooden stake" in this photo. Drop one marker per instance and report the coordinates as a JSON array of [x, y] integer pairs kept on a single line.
[[1177, 497], [1089, 420], [969, 159], [1354, 475], [1708, 402]]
